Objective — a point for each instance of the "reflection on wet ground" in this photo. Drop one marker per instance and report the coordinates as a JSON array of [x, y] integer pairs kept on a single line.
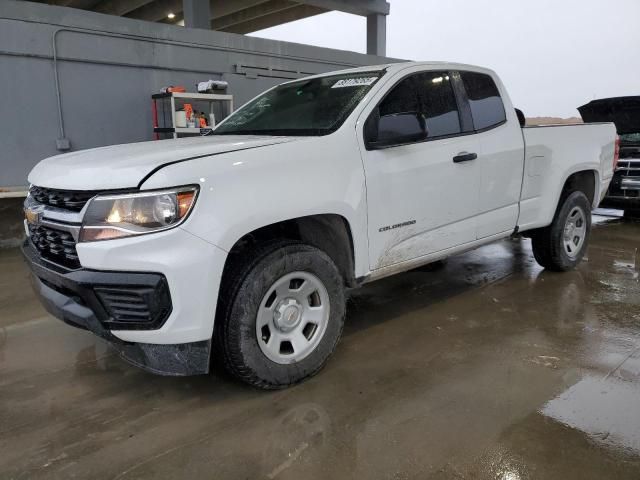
[[487, 368]]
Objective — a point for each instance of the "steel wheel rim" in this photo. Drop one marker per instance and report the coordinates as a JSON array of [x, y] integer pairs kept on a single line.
[[575, 231], [292, 318]]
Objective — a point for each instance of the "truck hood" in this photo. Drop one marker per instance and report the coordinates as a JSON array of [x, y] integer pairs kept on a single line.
[[623, 111], [125, 166]]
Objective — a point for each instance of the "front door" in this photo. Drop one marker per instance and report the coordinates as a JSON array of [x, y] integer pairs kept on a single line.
[[422, 194]]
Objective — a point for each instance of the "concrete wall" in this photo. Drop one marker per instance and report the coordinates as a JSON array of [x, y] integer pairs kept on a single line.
[[108, 67], [11, 222]]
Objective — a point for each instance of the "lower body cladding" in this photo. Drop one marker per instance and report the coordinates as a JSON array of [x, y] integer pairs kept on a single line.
[[151, 297]]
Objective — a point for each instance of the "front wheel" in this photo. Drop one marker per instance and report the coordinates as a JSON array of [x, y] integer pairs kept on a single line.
[[561, 245], [282, 317]]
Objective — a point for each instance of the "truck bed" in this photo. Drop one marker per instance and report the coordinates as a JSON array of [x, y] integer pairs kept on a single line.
[[552, 151]]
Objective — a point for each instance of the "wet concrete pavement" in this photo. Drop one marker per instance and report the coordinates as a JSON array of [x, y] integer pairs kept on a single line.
[[489, 368]]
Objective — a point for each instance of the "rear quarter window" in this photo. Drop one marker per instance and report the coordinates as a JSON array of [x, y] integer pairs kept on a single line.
[[486, 104]]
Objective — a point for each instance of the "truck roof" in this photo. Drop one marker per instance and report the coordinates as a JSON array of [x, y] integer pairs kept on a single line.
[[397, 66]]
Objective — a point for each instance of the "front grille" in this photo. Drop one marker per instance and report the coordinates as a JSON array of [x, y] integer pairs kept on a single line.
[[628, 168], [55, 245], [136, 307], [629, 151], [73, 200]]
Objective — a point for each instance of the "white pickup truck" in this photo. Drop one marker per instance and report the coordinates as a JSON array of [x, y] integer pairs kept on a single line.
[[238, 246]]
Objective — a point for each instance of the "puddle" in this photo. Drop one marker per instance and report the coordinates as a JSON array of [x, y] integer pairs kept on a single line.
[[606, 409]]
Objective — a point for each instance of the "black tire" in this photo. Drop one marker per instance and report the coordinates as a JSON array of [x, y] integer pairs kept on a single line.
[[547, 243], [235, 338]]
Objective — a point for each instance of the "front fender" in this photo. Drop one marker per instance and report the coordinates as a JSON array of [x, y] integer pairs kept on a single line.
[[246, 190]]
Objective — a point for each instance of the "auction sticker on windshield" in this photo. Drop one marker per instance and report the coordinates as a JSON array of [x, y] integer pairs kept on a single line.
[[354, 82]]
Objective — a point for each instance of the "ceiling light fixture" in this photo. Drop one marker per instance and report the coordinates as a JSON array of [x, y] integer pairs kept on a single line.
[[171, 16]]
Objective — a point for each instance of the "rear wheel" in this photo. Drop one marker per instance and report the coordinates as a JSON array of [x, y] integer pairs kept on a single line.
[[281, 317], [561, 245]]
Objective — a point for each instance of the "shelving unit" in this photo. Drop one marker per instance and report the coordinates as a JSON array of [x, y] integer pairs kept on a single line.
[[171, 98]]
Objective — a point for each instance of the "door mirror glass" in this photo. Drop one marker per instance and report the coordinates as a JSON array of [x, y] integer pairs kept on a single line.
[[395, 129]]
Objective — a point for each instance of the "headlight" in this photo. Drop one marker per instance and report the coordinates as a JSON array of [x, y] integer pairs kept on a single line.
[[117, 216]]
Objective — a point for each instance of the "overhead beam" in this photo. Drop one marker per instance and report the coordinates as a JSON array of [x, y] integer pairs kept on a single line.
[[120, 7], [223, 8], [238, 23], [81, 4], [251, 13], [157, 10], [356, 7]]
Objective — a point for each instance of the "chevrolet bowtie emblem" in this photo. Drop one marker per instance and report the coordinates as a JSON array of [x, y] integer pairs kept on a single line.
[[33, 214]]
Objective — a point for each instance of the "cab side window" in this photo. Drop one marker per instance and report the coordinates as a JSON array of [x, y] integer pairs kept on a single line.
[[420, 107], [397, 120], [486, 104], [429, 94]]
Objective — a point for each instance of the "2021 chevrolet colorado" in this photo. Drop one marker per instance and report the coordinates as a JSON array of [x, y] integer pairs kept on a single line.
[[239, 245]]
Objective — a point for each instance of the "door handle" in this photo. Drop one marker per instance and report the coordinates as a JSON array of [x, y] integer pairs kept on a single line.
[[464, 157]]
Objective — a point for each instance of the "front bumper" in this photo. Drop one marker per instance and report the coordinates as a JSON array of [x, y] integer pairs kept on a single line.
[[624, 190], [621, 203], [76, 297]]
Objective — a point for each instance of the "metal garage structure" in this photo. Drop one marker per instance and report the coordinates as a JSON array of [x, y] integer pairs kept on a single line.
[[240, 16], [81, 72]]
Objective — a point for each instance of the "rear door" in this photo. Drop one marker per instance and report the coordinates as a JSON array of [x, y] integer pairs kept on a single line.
[[422, 195], [501, 154]]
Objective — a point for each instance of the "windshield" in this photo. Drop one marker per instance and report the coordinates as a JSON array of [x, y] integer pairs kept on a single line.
[[315, 107], [630, 138]]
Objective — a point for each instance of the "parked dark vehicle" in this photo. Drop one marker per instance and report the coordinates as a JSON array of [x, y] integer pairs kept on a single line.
[[624, 190]]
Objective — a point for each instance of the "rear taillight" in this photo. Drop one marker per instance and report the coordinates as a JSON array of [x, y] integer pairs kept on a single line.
[[616, 154]]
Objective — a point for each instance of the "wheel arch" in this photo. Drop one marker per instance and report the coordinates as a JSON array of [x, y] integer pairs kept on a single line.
[[329, 232], [586, 181]]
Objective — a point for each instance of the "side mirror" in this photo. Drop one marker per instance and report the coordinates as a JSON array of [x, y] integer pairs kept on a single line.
[[395, 129]]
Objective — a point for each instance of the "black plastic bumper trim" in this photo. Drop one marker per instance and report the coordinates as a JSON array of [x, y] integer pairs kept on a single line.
[[81, 285], [68, 296], [621, 203], [177, 360]]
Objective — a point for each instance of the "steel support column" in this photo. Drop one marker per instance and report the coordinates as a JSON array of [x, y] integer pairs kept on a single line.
[[197, 14], [377, 35]]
